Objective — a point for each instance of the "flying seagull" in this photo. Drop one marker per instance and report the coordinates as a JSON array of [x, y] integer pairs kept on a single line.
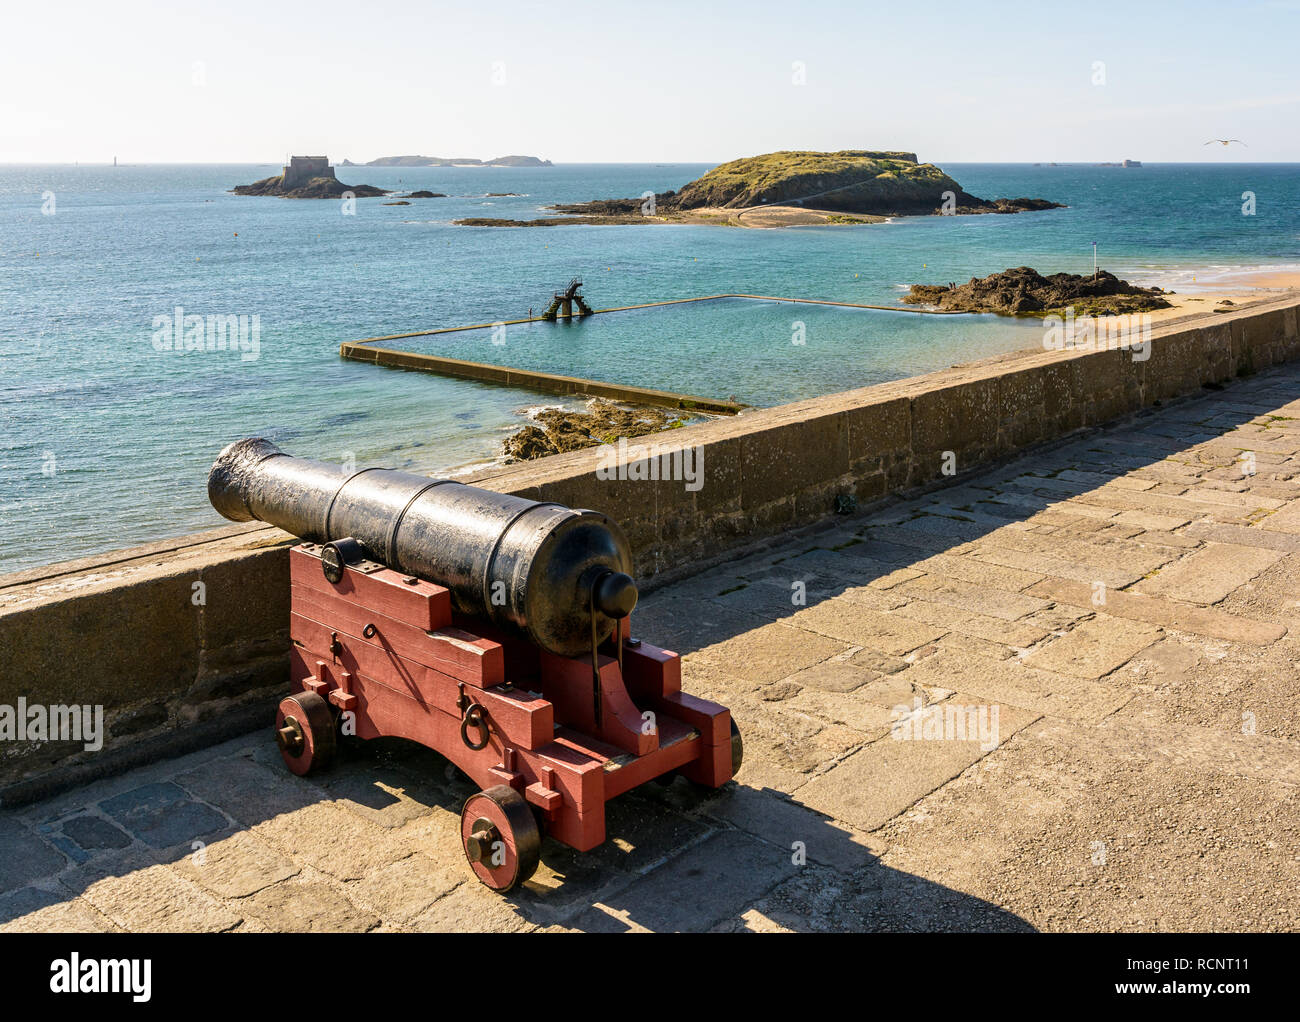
[[1225, 141]]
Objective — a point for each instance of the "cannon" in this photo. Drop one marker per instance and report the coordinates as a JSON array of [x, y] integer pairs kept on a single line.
[[493, 629]]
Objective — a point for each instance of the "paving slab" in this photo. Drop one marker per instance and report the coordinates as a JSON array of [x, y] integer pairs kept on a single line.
[[472, 908], [1244, 535], [38, 910], [983, 598], [247, 791], [336, 842], [713, 880], [881, 780], [1203, 750], [964, 569], [1165, 613], [1054, 565], [852, 623], [1066, 836], [402, 890], [759, 657], [1012, 681], [784, 746], [24, 856], [1094, 648], [308, 904], [162, 815], [1286, 520], [835, 675], [786, 823], [236, 866], [1185, 681], [1208, 575], [155, 899]]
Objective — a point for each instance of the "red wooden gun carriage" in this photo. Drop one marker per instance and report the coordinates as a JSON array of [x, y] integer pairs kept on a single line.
[[489, 628]]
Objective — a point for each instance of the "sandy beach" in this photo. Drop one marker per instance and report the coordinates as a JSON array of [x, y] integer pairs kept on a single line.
[[1276, 280], [1241, 291], [749, 216], [784, 216]]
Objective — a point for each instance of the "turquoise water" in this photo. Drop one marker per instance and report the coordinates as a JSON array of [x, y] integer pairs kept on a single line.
[[106, 440], [791, 350]]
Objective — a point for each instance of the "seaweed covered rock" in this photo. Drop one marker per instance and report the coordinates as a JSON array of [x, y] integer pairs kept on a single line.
[[315, 188], [1023, 291], [558, 430]]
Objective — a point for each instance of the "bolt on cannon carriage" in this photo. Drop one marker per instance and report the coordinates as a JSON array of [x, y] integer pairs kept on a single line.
[[490, 628]]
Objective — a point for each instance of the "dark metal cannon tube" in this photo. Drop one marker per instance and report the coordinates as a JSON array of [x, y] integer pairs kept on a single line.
[[542, 570]]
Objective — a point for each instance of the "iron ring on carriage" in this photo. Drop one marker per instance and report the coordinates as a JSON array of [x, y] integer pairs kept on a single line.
[[475, 717]]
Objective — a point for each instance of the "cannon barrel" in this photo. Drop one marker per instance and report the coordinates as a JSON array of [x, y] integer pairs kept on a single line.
[[548, 572]]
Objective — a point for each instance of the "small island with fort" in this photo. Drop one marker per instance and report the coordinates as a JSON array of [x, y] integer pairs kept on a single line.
[[312, 177], [307, 177]]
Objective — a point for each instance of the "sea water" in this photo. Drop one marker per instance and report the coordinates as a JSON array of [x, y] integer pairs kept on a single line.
[[107, 434]]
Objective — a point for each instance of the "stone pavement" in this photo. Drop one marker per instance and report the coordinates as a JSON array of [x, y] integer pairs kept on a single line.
[[1124, 602]]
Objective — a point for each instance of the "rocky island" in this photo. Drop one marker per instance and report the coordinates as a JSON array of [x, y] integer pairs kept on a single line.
[[307, 177], [1024, 291], [793, 188], [443, 161]]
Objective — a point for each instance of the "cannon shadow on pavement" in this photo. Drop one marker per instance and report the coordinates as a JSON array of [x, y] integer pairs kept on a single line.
[[236, 842]]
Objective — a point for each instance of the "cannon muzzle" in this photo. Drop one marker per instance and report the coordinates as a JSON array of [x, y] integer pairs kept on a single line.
[[548, 572]]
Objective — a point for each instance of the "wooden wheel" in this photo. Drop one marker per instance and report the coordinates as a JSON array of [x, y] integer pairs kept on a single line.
[[305, 732], [501, 838], [737, 749]]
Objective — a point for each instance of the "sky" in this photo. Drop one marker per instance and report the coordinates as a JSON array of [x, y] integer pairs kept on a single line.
[[169, 81]]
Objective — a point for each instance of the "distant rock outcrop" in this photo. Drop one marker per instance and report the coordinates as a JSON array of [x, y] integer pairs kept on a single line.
[[1005, 206], [1024, 291], [444, 161], [316, 188], [519, 161]]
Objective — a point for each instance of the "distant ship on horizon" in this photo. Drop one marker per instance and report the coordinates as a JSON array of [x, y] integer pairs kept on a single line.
[[1122, 163]]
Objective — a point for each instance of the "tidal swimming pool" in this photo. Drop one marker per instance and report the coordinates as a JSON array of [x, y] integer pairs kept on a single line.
[[758, 351]]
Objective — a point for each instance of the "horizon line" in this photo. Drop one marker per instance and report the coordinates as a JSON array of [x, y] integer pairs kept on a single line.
[[603, 163]]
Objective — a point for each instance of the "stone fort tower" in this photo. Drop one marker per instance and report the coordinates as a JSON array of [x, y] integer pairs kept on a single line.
[[302, 169]]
